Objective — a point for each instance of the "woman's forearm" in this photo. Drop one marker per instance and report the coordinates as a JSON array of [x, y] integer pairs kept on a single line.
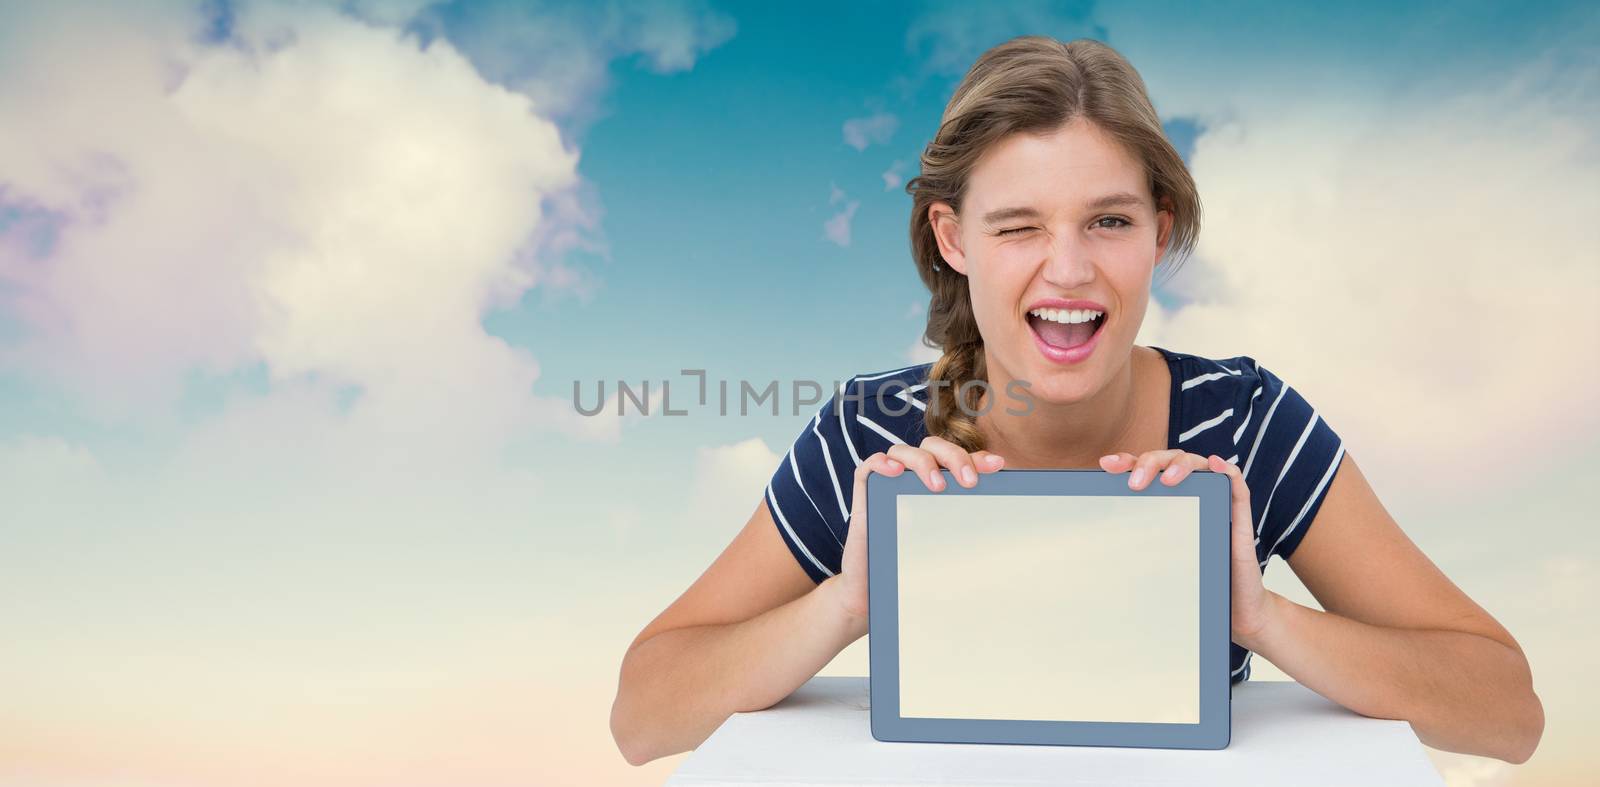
[[1461, 692], [679, 685]]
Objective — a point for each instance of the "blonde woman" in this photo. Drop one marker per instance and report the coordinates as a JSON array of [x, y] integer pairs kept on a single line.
[[1046, 201]]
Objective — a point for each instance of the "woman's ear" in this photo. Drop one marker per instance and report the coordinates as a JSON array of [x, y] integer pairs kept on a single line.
[[947, 231], [1164, 217]]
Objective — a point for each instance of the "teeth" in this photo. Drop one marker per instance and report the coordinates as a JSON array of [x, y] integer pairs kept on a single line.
[[1067, 316]]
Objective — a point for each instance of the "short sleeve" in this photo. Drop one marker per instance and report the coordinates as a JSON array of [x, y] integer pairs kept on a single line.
[[1290, 455], [809, 494]]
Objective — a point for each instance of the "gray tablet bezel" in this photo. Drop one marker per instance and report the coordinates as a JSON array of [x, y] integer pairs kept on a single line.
[[1215, 726]]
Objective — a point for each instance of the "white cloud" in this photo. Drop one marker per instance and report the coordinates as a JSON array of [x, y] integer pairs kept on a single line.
[[728, 480], [615, 413], [837, 227], [1420, 268], [31, 462], [948, 37], [872, 129], [325, 197], [333, 199], [560, 54], [922, 353], [385, 12], [893, 177]]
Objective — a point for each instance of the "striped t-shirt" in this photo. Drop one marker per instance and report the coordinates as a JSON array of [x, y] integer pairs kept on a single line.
[[1230, 407]]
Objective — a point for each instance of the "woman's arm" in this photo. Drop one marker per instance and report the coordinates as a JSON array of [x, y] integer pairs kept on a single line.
[[748, 632], [679, 685], [1398, 640], [1461, 692], [754, 627]]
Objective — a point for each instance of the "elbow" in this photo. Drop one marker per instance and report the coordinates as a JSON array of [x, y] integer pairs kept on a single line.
[[630, 729], [630, 743], [632, 754], [624, 730], [1526, 718], [1530, 730], [627, 745]]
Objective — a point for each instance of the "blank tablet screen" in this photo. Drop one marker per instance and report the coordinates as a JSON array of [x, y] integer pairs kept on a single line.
[[1049, 607]]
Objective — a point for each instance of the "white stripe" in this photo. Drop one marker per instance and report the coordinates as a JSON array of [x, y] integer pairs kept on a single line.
[[1194, 381], [833, 475], [1298, 444], [1338, 455], [773, 503], [902, 393], [880, 430], [1263, 432], [1233, 460], [797, 482], [1206, 425], [1243, 664], [886, 374], [1252, 411], [848, 443]]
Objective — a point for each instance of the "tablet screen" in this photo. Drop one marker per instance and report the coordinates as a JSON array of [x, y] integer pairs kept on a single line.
[[1049, 607]]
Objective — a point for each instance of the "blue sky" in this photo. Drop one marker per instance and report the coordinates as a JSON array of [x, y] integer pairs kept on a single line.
[[680, 158], [712, 183]]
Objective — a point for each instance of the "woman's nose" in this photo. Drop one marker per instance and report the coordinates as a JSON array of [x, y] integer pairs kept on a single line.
[[1069, 264]]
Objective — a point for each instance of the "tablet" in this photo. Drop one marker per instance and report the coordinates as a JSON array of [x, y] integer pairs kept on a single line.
[[1050, 607]]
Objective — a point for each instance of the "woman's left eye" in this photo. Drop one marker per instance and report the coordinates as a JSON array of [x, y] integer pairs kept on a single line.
[[1120, 222], [1015, 230]]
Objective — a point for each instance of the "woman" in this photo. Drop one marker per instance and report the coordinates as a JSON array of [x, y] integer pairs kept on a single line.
[[1045, 202]]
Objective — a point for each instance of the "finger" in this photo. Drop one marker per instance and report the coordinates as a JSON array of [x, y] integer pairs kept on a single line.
[[1148, 464], [1181, 466], [1116, 463], [1246, 542], [988, 461], [954, 457], [920, 461], [878, 463], [1239, 491]]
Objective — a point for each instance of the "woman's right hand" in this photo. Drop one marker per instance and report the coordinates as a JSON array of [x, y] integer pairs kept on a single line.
[[926, 461]]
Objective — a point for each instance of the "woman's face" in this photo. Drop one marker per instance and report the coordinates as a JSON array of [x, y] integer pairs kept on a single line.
[[1047, 219]]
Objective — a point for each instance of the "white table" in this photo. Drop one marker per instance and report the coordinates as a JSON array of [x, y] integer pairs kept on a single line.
[[1283, 733]]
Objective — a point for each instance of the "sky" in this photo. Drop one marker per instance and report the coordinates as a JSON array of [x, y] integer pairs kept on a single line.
[[294, 297]]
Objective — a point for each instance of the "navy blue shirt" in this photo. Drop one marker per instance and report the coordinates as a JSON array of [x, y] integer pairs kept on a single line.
[[1231, 407]]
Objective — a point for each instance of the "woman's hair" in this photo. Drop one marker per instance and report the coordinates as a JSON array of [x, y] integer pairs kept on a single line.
[[1028, 84]]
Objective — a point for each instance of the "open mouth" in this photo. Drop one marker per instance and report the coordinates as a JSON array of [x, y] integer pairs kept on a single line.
[[1064, 329]]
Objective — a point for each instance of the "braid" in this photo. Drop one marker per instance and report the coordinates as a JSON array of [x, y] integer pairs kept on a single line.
[[947, 416]]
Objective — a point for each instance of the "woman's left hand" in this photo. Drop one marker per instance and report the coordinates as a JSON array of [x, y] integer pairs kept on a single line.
[[1252, 605]]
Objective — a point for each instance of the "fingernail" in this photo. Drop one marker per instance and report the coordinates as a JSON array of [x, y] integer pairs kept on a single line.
[[996, 459], [968, 475], [892, 464], [938, 480], [1138, 475], [1108, 457]]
